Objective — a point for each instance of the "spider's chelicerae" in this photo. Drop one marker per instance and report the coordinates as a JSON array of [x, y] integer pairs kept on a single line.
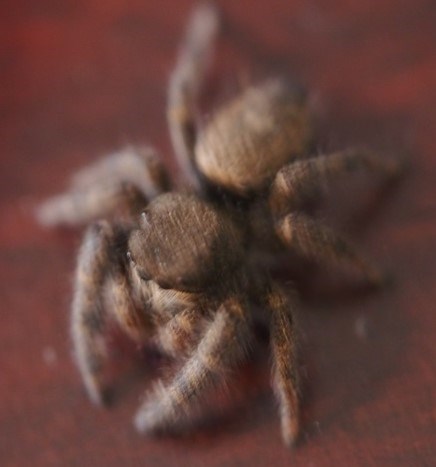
[[178, 269]]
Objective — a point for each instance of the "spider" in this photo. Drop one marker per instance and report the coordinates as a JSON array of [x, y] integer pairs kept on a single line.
[[178, 268]]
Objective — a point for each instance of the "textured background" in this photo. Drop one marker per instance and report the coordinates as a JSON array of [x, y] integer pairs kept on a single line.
[[81, 78]]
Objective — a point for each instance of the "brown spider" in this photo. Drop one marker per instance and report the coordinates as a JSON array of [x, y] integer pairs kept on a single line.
[[184, 276]]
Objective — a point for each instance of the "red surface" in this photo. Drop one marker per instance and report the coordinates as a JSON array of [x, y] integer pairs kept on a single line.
[[79, 79]]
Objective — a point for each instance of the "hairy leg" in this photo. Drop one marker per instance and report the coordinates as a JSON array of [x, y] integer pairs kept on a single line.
[[185, 83], [120, 300], [300, 180], [88, 317], [285, 371], [223, 344], [126, 178], [181, 333], [314, 240]]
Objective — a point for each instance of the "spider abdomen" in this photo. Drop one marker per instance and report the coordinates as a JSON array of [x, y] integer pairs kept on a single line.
[[248, 140]]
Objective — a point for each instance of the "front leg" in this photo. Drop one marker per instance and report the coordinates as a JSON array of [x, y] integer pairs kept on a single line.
[[182, 332], [223, 344], [128, 309], [88, 314]]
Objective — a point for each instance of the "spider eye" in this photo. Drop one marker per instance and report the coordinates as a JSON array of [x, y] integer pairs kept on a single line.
[[164, 284], [130, 258], [142, 274]]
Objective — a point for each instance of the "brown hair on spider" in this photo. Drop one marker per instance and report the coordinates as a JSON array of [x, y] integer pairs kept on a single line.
[[182, 274]]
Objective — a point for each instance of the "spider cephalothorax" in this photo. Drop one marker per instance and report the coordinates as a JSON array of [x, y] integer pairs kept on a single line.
[[178, 269], [184, 243]]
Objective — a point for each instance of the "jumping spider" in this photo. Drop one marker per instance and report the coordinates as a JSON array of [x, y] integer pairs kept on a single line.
[[184, 275]]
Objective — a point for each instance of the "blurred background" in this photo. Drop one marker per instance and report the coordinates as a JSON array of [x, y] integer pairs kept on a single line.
[[79, 79]]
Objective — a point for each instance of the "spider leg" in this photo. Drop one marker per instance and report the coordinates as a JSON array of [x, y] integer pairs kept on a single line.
[[300, 180], [181, 333], [314, 240], [128, 177], [88, 317], [222, 345], [185, 84], [284, 351], [119, 299]]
